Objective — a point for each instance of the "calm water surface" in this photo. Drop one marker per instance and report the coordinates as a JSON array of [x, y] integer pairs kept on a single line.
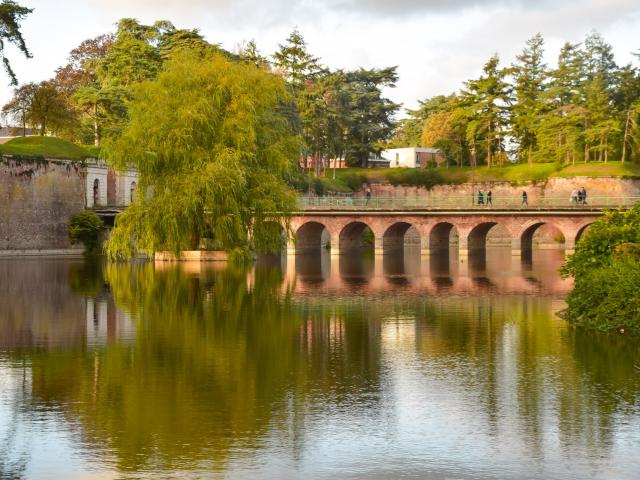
[[310, 367]]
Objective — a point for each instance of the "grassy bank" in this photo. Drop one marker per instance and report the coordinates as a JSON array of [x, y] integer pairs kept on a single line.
[[351, 179], [43, 147]]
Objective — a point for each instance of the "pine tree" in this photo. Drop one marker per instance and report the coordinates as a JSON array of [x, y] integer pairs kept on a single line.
[[529, 74], [487, 100], [600, 120], [295, 63]]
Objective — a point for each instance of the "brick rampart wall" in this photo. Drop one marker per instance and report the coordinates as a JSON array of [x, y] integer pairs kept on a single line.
[[37, 200]]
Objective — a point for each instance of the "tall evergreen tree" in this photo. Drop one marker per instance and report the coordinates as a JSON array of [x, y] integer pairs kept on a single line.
[[371, 113], [487, 100], [601, 124], [294, 61], [529, 74]]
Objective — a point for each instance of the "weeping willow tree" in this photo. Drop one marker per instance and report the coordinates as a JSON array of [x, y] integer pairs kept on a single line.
[[212, 144]]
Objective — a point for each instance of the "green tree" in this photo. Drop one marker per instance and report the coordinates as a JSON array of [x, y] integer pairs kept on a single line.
[[302, 71], [19, 107], [212, 148], [601, 124], [50, 110], [98, 103], [133, 56], [295, 63], [529, 74], [251, 54], [487, 100], [11, 14], [41, 106], [370, 121], [626, 100], [563, 118], [409, 131], [85, 227]]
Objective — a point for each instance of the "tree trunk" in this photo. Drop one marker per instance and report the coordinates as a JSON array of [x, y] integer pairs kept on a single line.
[[626, 134], [601, 149], [489, 146], [586, 143], [530, 158], [96, 128]]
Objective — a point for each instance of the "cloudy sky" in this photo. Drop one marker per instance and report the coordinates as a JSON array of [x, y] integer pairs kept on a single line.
[[437, 44]]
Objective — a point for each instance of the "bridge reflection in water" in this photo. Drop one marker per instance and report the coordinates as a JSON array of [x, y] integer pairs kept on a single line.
[[490, 270]]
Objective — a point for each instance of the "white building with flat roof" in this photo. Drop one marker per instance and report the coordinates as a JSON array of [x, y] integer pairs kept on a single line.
[[412, 157]]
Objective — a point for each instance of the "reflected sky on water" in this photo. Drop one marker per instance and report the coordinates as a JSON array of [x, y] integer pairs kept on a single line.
[[311, 366]]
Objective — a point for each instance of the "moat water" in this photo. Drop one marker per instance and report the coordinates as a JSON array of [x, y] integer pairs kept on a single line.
[[310, 367]]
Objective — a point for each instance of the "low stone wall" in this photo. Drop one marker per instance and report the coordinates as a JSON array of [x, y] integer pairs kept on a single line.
[[37, 200], [556, 187], [192, 256]]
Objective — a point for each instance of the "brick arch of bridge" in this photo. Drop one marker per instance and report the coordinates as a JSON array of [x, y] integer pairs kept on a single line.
[[570, 227], [433, 228]]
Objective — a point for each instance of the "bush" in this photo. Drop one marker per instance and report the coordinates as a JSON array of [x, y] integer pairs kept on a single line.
[[354, 180], [606, 272], [85, 227], [415, 176], [607, 297]]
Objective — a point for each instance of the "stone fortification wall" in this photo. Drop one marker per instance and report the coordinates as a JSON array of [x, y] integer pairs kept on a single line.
[[37, 200], [557, 188]]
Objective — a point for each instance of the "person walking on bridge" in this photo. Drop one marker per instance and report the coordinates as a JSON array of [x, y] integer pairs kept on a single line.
[[368, 194], [525, 198], [583, 194], [480, 197], [489, 198]]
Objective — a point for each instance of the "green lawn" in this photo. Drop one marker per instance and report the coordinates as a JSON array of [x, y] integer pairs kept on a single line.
[[347, 178], [43, 147]]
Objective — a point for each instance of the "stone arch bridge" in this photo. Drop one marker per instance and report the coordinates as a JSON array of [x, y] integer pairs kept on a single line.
[[470, 230]]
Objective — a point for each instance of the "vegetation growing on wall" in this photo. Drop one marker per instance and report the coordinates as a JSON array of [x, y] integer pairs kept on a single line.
[[85, 227]]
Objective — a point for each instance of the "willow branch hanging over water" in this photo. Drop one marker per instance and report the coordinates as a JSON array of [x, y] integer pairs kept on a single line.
[[212, 144]]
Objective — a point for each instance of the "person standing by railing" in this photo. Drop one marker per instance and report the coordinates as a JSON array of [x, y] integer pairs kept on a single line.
[[574, 199], [525, 199], [583, 194], [368, 194]]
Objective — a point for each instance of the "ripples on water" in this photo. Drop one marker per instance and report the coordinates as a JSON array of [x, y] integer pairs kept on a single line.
[[311, 366]]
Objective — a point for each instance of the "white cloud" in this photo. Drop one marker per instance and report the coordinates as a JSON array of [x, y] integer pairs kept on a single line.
[[437, 44]]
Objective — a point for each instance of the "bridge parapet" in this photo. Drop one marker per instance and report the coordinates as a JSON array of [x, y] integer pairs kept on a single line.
[[596, 203]]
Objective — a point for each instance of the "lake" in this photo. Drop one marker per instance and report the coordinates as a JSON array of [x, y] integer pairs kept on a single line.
[[310, 366]]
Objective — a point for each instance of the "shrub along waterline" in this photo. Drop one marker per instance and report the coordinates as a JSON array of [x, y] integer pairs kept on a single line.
[[606, 272]]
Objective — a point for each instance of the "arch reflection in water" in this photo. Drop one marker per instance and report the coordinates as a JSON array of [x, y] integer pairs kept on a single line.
[[401, 266], [356, 269]]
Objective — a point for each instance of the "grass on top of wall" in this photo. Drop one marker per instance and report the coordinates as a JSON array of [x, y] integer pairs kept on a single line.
[[43, 147], [351, 179]]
